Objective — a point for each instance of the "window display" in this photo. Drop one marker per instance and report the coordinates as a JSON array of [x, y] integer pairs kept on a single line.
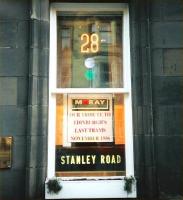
[[90, 135]]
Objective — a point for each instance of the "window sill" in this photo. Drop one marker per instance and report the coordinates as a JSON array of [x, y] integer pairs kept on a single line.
[[74, 189]]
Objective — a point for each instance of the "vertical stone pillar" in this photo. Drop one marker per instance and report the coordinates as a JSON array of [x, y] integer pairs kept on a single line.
[[37, 99], [142, 90]]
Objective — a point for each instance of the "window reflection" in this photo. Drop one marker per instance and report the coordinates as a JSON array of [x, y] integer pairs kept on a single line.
[[95, 40]]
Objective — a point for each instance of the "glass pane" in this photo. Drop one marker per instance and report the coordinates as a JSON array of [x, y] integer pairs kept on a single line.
[[89, 51], [90, 139]]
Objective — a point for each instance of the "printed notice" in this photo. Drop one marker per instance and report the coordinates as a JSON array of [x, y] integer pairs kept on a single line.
[[90, 118]]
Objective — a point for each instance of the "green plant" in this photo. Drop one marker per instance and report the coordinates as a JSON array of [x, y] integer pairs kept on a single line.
[[128, 183], [53, 186]]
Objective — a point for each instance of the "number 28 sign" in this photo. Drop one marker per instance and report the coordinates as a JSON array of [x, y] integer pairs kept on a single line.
[[90, 43]]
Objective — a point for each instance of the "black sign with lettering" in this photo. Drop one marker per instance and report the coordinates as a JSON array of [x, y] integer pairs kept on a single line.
[[101, 158]]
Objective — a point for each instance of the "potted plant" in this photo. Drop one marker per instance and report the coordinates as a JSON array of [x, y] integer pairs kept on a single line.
[[53, 186], [129, 181]]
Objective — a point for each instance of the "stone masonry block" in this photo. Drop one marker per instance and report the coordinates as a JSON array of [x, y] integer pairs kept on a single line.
[[37, 144], [156, 10], [35, 9], [14, 62], [33, 90], [157, 62], [22, 99], [173, 62], [169, 164], [44, 62], [167, 34], [42, 91], [167, 90], [35, 182], [8, 88], [45, 10], [12, 9], [23, 34], [11, 182], [19, 152], [34, 61], [138, 119], [44, 38], [8, 33], [35, 33], [168, 120], [39, 34], [13, 120], [38, 116], [173, 10]]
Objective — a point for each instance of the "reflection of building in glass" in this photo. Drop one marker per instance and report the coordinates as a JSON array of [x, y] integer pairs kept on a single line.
[[102, 33]]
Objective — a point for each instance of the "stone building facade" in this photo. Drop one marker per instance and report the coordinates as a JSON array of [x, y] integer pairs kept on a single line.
[[156, 29]]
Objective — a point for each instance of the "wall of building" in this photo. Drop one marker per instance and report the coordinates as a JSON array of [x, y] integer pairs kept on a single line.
[[37, 99], [24, 50], [157, 80], [14, 70], [167, 77], [157, 29]]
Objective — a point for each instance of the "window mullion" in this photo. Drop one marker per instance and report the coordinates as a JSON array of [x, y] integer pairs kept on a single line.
[[89, 90]]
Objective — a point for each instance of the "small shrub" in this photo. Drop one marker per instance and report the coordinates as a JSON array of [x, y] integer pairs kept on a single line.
[[128, 183], [53, 186]]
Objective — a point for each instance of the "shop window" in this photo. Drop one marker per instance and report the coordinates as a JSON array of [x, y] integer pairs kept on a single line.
[[90, 139], [90, 119]]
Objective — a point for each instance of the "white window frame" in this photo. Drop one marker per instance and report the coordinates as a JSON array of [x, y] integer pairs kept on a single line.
[[92, 187]]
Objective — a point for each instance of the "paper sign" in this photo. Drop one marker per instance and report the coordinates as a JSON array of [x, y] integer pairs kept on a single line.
[[90, 118]]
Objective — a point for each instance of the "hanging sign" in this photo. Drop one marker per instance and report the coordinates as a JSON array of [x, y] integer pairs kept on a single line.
[[90, 118]]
